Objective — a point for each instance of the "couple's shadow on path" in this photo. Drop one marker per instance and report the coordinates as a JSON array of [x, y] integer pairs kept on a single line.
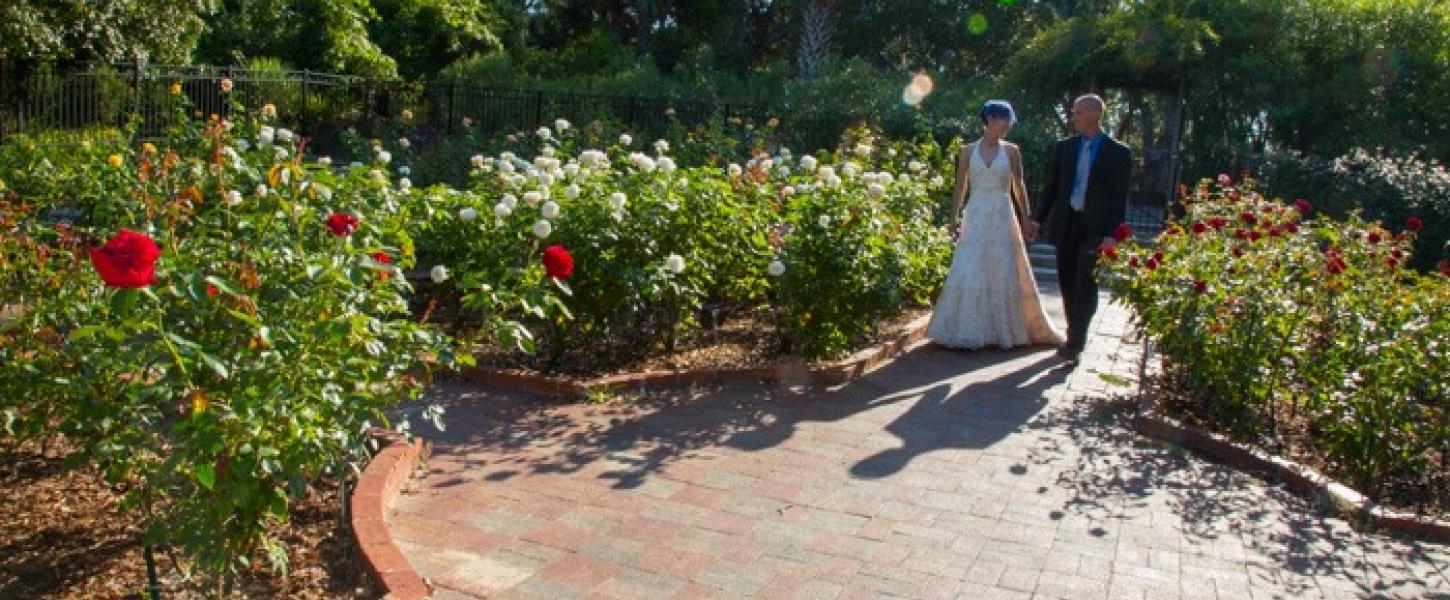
[[1001, 391]]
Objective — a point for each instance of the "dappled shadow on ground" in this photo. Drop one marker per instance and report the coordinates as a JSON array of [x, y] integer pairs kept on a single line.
[[642, 436], [1113, 475]]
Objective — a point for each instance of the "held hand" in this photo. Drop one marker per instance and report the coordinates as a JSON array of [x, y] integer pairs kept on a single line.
[[1030, 230]]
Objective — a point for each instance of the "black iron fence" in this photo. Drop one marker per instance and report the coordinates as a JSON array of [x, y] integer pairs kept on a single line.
[[50, 97]]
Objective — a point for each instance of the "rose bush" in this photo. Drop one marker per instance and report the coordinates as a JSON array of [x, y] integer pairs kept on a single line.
[[655, 239], [209, 318], [1273, 318]]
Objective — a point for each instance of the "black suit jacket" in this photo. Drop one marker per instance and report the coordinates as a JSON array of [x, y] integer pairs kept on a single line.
[[1106, 204]]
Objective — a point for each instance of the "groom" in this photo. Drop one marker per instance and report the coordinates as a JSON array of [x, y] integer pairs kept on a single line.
[[1085, 200]]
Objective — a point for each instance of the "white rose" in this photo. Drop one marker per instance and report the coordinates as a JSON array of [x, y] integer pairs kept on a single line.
[[546, 179], [642, 162], [571, 170], [662, 146], [468, 214], [735, 170], [904, 178], [280, 153], [261, 191], [783, 171], [284, 136], [808, 164], [510, 201], [572, 192], [325, 161], [788, 191], [439, 273], [561, 125], [675, 263], [863, 150], [544, 133], [938, 181], [617, 200], [775, 269], [324, 192], [265, 136], [915, 165], [405, 171], [833, 181], [532, 198], [385, 157], [826, 172], [502, 210], [824, 221], [507, 168], [405, 184], [626, 140], [377, 176], [876, 190], [518, 180], [850, 169], [477, 161], [550, 210], [244, 145], [667, 165], [784, 153], [542, 229], [234, 198]]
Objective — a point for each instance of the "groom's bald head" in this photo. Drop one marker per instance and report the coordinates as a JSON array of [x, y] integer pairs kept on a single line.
[[1087, 113]]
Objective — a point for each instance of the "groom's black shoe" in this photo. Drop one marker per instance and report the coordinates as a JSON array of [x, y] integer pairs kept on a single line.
[[1068, 354]]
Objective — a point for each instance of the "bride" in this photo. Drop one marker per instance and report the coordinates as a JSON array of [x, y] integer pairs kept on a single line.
[[990, 298]]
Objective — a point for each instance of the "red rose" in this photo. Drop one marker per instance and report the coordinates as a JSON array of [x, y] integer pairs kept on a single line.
[[1224, 179], [1108, 252], [1390, 262], [1133, 262], [382, 257], [1304, 206], [1241, 234], [1158, 257], [1152, 265], [1218, 222], [1336, 265], [342, 224], [1123, 232], [1291, 228], [1199, 227], [1414, 224], [1275, 231], [212, 291], [1238, 252], [1397, 254], [557, 262], [1200, 286], [1373, 237], [1255, 235], [1249, 217], [128, 260]]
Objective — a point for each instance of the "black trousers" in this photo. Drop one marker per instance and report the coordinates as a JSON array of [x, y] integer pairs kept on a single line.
[[1077, 261]]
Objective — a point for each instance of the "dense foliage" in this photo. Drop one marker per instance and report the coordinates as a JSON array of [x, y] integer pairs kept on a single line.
[[1277, 322]]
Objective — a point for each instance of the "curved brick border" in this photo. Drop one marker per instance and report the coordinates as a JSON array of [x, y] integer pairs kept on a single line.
[[1302, 479], [379, 483], [828, 373]]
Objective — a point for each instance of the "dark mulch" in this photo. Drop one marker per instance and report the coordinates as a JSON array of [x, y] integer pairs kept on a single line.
[[62, 536]]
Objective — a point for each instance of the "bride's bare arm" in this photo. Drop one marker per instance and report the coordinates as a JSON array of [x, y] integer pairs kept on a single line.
[[959, 191]]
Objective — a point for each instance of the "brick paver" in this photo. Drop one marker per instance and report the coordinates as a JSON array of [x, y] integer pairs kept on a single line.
[[942, 475]]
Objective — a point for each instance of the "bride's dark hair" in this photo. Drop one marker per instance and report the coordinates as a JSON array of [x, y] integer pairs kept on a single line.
[[1000, 109]]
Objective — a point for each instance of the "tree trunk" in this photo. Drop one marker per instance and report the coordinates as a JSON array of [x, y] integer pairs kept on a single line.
[[815, 41]]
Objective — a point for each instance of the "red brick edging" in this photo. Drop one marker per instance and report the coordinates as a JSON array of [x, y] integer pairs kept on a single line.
[[835, 372], [394, 463], [1302, 479]]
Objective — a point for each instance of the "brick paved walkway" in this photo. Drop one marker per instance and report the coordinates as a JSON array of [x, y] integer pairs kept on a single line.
[[942, 475]]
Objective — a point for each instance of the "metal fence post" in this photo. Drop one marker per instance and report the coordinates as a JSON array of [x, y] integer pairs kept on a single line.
[[305, 113], [451, 90], [137, 105], [538, 107]]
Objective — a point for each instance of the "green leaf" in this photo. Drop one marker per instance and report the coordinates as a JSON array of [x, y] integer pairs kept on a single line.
[[205, 475], [222, 285], [215, 364], [123, 301]]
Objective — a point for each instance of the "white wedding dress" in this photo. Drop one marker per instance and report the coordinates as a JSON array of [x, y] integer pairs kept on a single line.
[[990, 297]]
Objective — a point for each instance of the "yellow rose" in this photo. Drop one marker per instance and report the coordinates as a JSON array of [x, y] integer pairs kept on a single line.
[[2, 185], [148, 148], [114, 160], [175, 89], [199, 402]]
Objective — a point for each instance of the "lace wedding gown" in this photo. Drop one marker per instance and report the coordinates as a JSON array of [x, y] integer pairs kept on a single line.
[[990, 297]]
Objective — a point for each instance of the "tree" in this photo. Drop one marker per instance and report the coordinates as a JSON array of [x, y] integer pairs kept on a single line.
[[815, 39], [101, 30]]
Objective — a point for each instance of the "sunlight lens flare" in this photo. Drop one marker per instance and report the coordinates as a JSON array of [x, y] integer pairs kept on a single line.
[[919, 88]]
